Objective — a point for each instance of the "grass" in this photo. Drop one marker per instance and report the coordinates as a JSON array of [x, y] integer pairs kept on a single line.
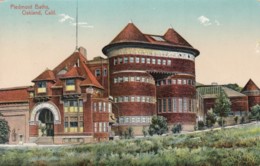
[[236, 146]]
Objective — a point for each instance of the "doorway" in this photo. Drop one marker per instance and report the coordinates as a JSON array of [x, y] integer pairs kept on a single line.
[[46, 118]]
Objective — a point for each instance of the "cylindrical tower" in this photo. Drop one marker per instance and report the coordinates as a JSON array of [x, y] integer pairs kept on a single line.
[[151, 74]]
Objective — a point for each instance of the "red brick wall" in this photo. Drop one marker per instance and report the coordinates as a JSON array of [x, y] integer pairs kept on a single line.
[[253, 100], [135, 109], [187, 118]]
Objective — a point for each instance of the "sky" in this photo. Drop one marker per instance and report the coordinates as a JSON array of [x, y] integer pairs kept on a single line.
[[226, 32]]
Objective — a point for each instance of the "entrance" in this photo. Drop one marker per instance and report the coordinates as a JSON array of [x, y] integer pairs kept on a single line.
[[47, 120]]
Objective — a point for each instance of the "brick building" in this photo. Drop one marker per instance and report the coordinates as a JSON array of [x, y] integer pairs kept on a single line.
[[152, 75], [144, 75], [253, 93]]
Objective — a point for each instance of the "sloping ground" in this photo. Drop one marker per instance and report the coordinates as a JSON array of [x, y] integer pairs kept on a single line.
[[234, 146]]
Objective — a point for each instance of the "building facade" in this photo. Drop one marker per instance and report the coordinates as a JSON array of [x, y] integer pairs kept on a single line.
[[152, 75], [253, 93]]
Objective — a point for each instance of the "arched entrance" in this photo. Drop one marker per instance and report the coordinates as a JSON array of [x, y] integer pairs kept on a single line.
[[47, 122]]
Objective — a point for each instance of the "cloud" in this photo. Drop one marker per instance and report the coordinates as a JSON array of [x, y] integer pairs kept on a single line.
[[257, 47], [65, 17], [82, 24], [207, 22], [204, 20]]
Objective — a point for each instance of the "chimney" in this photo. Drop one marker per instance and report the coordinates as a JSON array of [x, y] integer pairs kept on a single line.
[[83, 51]]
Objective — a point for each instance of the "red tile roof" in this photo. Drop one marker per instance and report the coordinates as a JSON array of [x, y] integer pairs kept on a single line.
[[47, 75], [250, 86], [132, 34], [13, 95], [74, 72]]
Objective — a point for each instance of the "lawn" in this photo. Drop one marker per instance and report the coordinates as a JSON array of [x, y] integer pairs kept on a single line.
[[234, 146]]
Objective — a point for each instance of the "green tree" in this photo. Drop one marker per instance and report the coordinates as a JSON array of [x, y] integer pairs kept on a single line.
[[158, 126], [211, 118], [255, 112], [222, 106], [4, 130], [235, 87]]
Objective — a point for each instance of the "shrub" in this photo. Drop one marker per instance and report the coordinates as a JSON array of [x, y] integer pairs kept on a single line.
[[236, 119], [201, 125], [144, 131], [211, 118], [4, 131], [177, 128], [158, 126], [127, 134], [242, 120], [220, 122]]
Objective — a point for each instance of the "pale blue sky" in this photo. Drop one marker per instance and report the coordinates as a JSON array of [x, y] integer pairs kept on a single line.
[[225, 31]]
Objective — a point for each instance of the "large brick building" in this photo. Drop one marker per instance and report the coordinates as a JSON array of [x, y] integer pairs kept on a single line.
[[144, 75], [152, 75]]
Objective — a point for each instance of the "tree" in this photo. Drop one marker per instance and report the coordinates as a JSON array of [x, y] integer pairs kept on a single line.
[[222, 106], [211, 118], [255, 112], [158, 126], [4, 130], [177, 128], [235, 87]]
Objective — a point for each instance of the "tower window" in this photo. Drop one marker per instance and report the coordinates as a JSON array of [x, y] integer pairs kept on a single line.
[[70, 85], [105, 72], [125, 59], [97, 72]]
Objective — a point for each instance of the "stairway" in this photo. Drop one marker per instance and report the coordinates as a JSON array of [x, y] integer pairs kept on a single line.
[[44, 140]]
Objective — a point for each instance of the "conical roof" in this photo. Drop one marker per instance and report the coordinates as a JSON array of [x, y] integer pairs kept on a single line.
[[250, 86], [47, 75], [130, 33], [175, 38]]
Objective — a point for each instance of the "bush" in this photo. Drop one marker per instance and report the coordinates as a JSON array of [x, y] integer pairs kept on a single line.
[[4, 131], [211, 118], [177, 128], [158, 126], [220, 122], [201, 125], [236, 119], [242, 120], [144, 131], [127, 134]]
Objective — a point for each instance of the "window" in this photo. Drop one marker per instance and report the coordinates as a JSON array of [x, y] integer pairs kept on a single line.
[[132, 79], [169, 62], [169, 105], [126, 119], [143, 119], [164, 105], [164, 62], [131, 59], [132, 99], [104, 127], [184, 82], [80, 106], [138, 99], [95, 126], [137, 60], [158, 61], [125, 59], [120, 79], [105, 72], [73, 106], [133, 119], [120, 99], [159, 105], [185, 104], [100, 106], [153, 61], [109, 107], [116, 99], [97, 73], [100, 126], [125, 79], [169, 82], [180, 104], [148, 60], [138, 119], [143, 99], [142, 79], [95, 107], [179, 82], [175, 104], [70, 85], [41, 87], [115, 61], [138, 79], [147, 100], [142, 60], [173, 81], [115, 80], [126, 98], [189, 82], [120, 60], [104, 107]]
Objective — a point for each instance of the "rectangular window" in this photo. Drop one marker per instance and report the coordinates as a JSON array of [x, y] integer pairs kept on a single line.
[[95, 107], [137, 98], [132, 99], [158, 61], [97, 73], [159, 105], [142, 79], [132, 79], [126, 98], [100, 126], [164, 62], [164, 105], [125, 79], [185, 105], [137, 60], [169, 82], [66, 106], [126, 119], [169, 105], [104, 107], [142, 60], [153, 61], [116, 99], [95, 127], [120, 79], [175, 106], [115, 61], [120, 99], [138, 119], [137, 79], [115, 80], [169, 62], [133, 119], [70, 85], [105, 72], [189, 82], [143, 119], [180, 104], [120, 60], [147, 100], [109, 107], [148, 60], [125, 59], [184, 82], [131, 59], [100, 106], [80, 106], [104, 127], [174, 81], [143, 99], [179, 82]]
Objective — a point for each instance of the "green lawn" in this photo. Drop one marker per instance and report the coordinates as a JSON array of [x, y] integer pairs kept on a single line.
[[236, 146]]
